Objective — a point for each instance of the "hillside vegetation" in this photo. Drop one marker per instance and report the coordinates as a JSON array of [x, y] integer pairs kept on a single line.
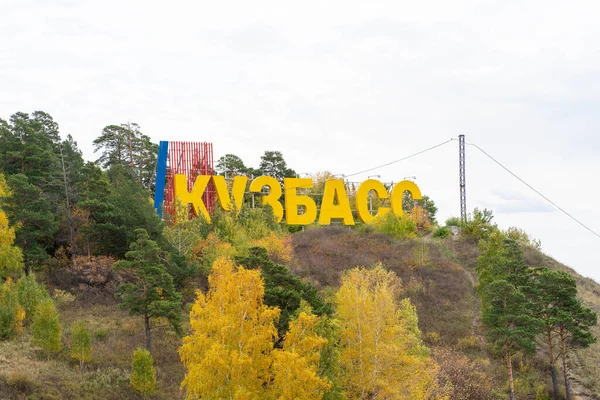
[[440, 278], [102, 299]]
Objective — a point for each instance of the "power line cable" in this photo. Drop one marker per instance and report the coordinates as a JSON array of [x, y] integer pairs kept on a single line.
[[536, 191], [401, 159]]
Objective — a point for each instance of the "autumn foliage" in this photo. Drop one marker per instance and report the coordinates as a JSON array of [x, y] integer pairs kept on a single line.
[[12, 313], [11, 257], [143, 375], [46, 328], [81, 343], [230, 353], [382, 355], [229, 235]]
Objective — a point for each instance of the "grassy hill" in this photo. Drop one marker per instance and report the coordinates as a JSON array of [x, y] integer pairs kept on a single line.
[[440, 278], [438, 275]]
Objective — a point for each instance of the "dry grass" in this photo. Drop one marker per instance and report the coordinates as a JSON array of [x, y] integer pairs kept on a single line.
[[25, 373], [439, 288]]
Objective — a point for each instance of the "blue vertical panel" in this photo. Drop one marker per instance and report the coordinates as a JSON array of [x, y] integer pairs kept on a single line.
[[161, 176]]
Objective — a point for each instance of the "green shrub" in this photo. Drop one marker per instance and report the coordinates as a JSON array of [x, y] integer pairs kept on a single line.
[[520, 236], [31, 294], [398, 227], [143, 376], [541, 393], [453, 221], [442, 232], [62, 297], [46, 328], [105, 379], [469, 343], [100, 334], [479, 225]]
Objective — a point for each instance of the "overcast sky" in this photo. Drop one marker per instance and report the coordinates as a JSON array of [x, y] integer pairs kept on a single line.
[[340, 86]]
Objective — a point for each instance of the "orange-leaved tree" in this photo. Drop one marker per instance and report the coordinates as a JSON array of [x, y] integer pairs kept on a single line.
[[381, 355], [230, 351]]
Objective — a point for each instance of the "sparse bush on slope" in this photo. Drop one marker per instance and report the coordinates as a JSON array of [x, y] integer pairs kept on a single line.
[[46, 327], [478, 226], [11, 312], [398, 227], [442, 232], [143, 375]]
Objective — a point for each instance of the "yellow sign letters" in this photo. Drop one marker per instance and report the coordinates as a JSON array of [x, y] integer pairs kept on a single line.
[[335, 203]]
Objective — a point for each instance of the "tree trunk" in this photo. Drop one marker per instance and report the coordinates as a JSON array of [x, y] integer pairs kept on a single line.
[[511, 385], [68, 207], [119, 150], [552, 365], [147, 325], [564, 363], [130, 147], [26, 263]]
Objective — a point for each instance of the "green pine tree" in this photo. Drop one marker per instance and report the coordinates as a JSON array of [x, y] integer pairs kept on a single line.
[[564, 320], [31, 210], [153, 294], [71, 163], [511, 325], [113, 204], [551, 287], [29, 146], [273, 164], [231, 165], [112, 143], [572, 322], [283, 289], [506, 288], [125, 145]]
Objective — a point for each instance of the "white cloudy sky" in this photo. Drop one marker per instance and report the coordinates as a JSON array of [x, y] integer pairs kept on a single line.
[[340, 86]]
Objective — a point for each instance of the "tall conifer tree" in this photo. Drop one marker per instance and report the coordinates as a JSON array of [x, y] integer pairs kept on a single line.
[[153, 294], [507, 290]]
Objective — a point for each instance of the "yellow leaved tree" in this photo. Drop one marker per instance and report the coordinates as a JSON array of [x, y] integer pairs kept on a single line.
[[381, 355], [295, 367], [11, 257], [230, 353]]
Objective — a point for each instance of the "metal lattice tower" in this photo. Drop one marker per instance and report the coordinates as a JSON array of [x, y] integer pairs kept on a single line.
[[461, 168]]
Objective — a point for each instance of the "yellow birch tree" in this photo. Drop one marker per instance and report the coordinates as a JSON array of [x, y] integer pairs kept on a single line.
[[11, 257], [230, 351], [228, 355], [381, 354], [295, 367]]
